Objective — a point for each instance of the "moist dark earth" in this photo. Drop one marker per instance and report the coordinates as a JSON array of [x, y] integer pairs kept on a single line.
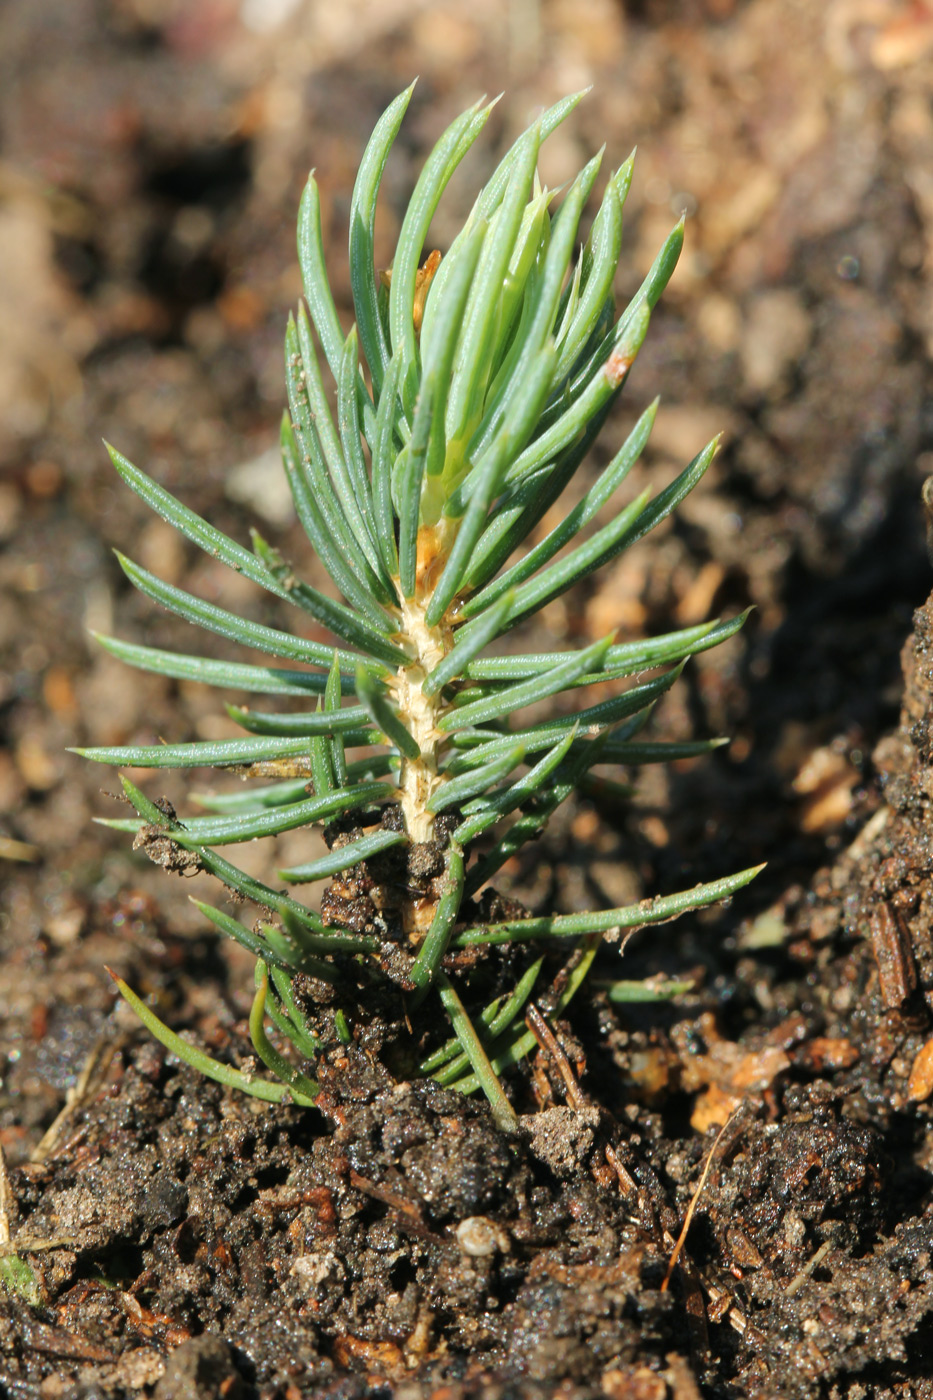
[[180, 1242]]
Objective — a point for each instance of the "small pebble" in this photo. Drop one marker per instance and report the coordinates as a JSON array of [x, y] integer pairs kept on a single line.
[[480, 1237]]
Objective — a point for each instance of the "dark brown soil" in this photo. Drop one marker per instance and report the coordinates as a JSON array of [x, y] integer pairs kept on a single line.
[[183, 1243]]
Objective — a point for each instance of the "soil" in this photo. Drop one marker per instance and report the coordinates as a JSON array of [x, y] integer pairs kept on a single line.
[[180, 1242]]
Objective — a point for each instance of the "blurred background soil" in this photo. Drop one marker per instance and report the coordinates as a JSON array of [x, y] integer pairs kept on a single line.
[[152, 155]]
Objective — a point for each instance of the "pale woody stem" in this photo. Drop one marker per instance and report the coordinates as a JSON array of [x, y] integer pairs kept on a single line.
[[419, 778]]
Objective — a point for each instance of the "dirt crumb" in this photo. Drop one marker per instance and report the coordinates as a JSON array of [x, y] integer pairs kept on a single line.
[[200, 1369], [563, 1137]]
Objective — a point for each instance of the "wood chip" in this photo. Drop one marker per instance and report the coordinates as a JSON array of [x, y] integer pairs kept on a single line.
[[920, 1083]]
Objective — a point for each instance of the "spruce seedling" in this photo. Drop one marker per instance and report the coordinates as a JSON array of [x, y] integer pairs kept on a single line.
[[488, 374]]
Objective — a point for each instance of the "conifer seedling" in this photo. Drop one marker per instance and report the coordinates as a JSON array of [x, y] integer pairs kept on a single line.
[[468, 393]]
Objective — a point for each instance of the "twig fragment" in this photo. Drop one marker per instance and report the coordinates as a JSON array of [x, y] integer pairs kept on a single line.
[[800, 1278], [89, 1081], [694, 1201]]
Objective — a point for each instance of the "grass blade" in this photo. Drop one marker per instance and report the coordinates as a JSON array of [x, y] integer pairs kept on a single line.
[[622, 659], [457, 790], [303, 1090], [373, 700], [486, 1077], [543, 303], [610, 479], [455, 663], [231, 675], [348, 423], [198, 1059], [447, 329], [252, 942], [319, 513], [344, 857], [354, 717], [340, 474], [489, 475], [500, 804], [424, 969], [239, 827], [528, 692], [600, 262], [362, 226], [474, 360], [438, 168], [338, 618], [237, 629], [253, 799], [496, 1018], [384, 459], [333, 696], [648, 911], [515, 1052], [533, 821], [621, 352], [411, 469], [209, 753]]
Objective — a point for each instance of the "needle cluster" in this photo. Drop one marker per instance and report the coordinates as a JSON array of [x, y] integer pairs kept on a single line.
[[485, 377]]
